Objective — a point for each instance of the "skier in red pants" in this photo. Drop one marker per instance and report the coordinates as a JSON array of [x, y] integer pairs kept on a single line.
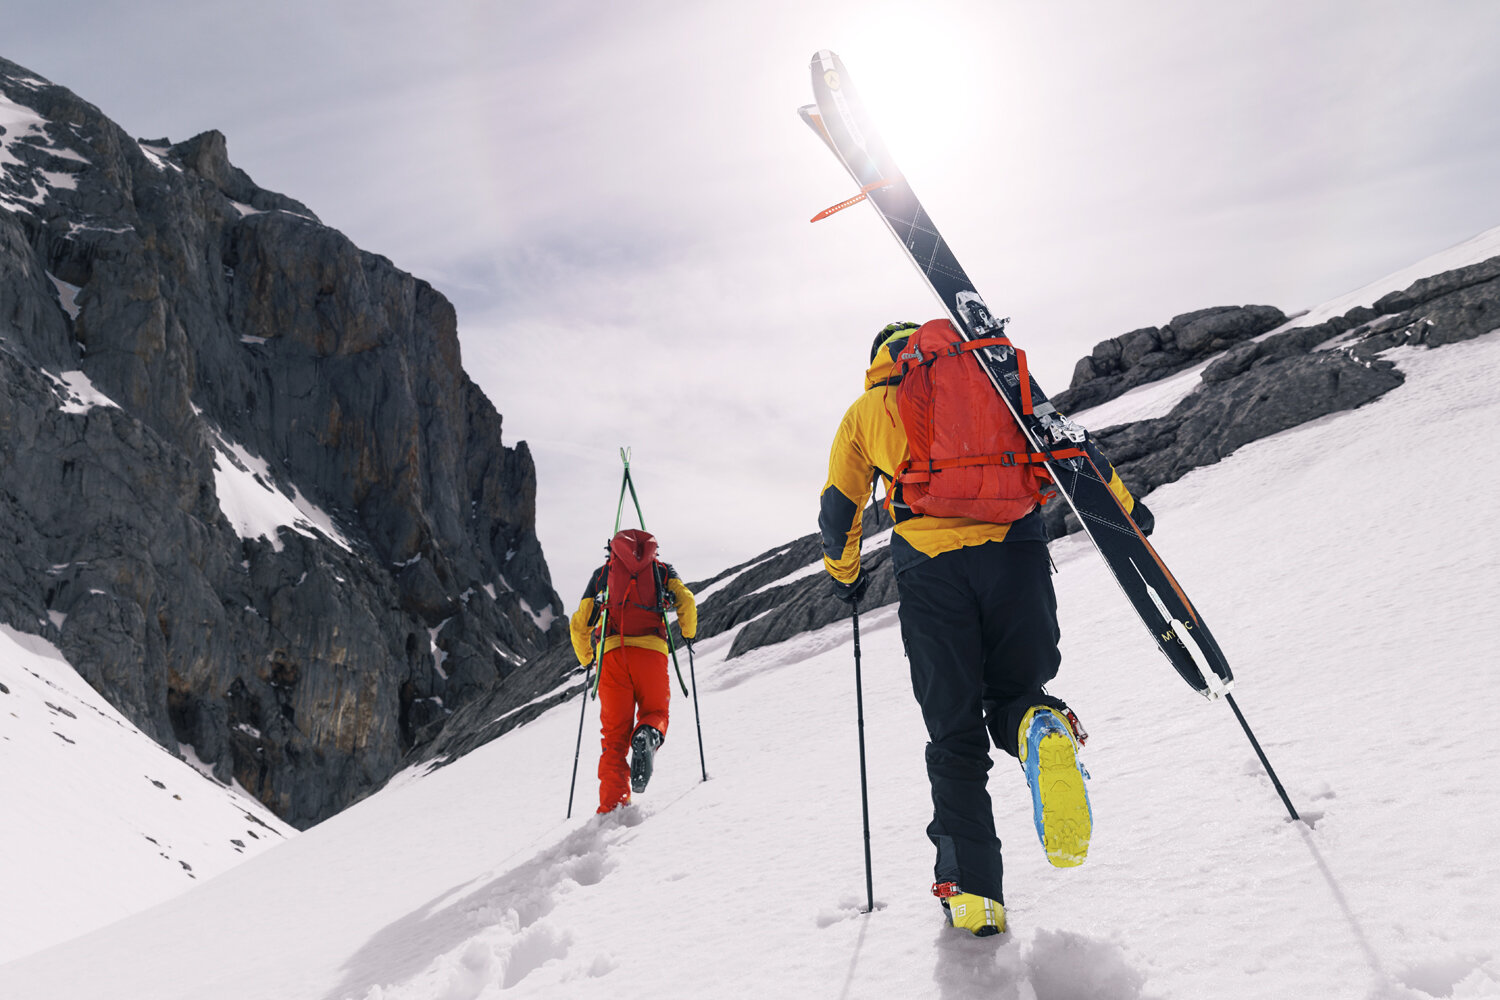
[[628, 597]]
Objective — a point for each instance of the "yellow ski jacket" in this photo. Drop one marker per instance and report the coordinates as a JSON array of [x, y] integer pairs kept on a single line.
[[581, 625], [871, 441]]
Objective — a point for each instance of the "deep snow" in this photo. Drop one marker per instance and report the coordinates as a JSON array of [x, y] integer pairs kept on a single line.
[[98, 821], [1347, 567]]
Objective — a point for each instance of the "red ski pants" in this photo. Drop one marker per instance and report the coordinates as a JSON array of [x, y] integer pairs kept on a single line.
[[630, 678]]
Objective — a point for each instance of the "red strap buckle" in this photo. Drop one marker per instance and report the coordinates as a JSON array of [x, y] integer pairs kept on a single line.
[[872, 186], [1078, 732], [943, 890]]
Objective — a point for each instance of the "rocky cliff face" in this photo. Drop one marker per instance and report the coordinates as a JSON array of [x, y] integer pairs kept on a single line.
[[245, 483]]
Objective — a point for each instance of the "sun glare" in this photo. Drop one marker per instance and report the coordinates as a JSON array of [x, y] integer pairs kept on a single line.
[[922, 84]]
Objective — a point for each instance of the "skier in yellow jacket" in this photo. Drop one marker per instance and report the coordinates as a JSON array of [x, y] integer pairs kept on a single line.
[[979, 623]]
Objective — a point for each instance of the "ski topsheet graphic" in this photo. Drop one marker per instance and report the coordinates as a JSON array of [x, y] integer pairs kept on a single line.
[[1076, 464]]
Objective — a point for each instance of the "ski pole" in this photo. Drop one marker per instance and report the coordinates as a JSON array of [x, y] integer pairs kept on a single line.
[[578, 747], [672, 648], [864, 795], [599, 647], [697, 719], [1262, 755]]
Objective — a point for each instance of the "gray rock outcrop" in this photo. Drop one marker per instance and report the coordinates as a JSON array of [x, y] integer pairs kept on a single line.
[[183, 355], [1119, 364]]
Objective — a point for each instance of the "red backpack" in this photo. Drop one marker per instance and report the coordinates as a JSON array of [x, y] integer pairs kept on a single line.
[[634, 602], [969, 458]]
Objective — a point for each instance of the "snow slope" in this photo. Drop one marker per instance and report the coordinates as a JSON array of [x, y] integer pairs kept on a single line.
[[1144, 402], [98, 820], [1353, 592]]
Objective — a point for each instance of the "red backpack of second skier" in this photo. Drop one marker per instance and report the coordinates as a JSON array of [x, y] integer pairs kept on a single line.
[[634, 602], [969, 458]]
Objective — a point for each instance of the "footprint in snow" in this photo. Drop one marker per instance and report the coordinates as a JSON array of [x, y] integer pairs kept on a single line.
[[1442, 977], [470, 939], [1047, 965]]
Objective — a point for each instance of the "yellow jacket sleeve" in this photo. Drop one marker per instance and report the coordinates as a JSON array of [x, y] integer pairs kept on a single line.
[[687, 608], [581, 633], [1116, 484], [842, 504]]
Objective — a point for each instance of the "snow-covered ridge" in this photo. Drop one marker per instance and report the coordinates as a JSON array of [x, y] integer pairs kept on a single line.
[[1157, 399], [77, 392], [876, 541], [23, 125], [157, 155], [252, 501], [1472, 251], [101, 821], [67, 294], [543, 618], [702, 595]]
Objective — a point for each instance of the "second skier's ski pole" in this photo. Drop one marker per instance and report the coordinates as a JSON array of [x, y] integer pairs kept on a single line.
[[578, 747], [693, 673], [864, 794], [672, 648]]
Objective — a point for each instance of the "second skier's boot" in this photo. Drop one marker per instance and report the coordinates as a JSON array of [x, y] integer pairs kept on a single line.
[[642, 751], [1059, 796], [979, 916]]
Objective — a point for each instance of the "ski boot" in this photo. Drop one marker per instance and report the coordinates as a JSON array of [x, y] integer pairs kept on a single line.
[[643, 749], [979, 916], [1059, 796]]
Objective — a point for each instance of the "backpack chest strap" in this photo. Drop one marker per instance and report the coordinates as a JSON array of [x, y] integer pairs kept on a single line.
[[911, 472]]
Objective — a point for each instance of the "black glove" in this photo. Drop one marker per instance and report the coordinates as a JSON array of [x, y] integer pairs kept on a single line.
[[851, 593], [1143, 517]]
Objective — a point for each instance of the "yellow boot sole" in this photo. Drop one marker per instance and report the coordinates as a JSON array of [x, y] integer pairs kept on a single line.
[[1066, 823]]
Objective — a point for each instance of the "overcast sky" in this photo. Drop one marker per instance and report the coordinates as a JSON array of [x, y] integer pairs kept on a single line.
[[615, 195]]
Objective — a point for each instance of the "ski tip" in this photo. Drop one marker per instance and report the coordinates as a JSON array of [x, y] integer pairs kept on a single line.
[[813, 118]]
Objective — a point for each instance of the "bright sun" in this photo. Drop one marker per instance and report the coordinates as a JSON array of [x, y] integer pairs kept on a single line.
[[923, 86]]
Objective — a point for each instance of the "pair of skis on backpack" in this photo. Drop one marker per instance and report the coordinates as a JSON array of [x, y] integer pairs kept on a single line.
[[1079, 470]]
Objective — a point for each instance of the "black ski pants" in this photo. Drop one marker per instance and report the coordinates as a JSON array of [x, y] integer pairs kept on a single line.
[[980, 628]]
